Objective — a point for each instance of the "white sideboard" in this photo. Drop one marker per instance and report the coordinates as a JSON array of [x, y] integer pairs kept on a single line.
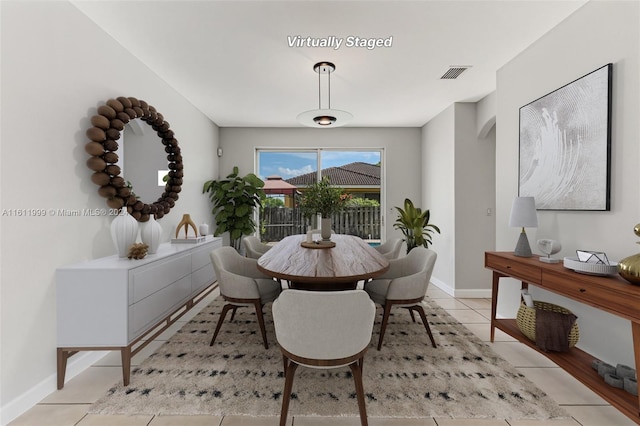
[[111, 303]]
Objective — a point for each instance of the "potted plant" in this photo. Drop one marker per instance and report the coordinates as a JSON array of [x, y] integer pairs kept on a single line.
[[414, 225], [234, 199], [325, 199]]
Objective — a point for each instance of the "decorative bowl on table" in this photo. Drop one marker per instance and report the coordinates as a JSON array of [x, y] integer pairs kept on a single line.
[[591, 268]]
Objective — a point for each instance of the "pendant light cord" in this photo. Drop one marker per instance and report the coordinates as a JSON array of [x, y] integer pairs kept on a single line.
[[329, 97], [319, 92], [320, 71]]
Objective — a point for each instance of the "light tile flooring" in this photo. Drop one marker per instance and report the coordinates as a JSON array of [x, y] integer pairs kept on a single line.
[[69, 406]]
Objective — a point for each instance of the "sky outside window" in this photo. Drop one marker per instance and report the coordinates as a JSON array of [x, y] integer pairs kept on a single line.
[[288, 164]]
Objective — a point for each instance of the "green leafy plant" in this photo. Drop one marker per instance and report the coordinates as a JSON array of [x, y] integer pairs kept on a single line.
[[414, 225], [362, 202], [234, 199], [324, 198], [272, 202]]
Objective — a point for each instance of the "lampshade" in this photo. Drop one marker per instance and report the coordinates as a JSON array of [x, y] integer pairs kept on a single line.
[[324, 117], [321, 118], [324, 120], [523, 213]]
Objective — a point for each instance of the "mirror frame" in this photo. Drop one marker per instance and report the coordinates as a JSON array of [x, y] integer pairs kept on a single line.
[[108, 125]]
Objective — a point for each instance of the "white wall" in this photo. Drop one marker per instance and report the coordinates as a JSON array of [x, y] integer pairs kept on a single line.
[[57, 68], [458, 188], [474, 195], [598, 33], [438, 192], [486, 115], [401, 154]]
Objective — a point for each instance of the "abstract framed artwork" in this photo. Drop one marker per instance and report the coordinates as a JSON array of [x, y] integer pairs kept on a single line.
[[565, 145]]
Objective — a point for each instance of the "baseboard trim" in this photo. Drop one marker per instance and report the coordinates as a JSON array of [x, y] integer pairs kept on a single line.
[[442, 286], [18, 406], [462, 293]]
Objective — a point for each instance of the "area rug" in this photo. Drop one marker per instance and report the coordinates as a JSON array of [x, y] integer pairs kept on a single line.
[[461, 378]]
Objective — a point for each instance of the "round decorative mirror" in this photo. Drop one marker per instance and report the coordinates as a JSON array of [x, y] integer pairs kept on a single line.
[[107, 129]]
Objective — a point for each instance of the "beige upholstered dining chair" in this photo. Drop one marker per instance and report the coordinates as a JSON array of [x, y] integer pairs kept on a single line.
[[323, 329], [253, 247], [390, 248], [242, 285], [404, 285]]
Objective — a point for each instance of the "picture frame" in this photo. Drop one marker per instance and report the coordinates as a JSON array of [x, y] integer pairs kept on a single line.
[[565, 145]]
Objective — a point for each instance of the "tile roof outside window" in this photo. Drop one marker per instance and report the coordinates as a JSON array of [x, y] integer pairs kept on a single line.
[[351, 174]]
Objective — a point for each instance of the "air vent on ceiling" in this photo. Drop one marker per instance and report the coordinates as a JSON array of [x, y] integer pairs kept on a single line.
[[454, 72]]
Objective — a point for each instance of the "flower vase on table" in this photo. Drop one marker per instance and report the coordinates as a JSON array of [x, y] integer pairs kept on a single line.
[[324, 199], [151, 233], [124, 231], [629, 267], [325, 228]]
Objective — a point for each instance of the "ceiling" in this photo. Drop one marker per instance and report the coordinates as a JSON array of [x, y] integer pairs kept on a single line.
[[232, 59]]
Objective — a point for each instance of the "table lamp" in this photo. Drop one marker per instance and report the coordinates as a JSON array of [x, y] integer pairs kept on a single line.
[[523, 214]]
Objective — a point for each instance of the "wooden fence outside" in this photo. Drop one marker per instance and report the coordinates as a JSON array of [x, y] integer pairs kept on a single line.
[[279, 222]]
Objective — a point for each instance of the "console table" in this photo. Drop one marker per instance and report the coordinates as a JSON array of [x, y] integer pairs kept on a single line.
[[112, 303], [611, 294]]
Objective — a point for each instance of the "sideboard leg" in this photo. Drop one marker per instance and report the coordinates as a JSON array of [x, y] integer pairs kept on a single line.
[[62, 366], [635, 331], [494, 303], [125, 353]]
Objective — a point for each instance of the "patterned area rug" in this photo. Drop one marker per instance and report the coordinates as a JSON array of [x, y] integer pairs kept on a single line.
[[462, 378]]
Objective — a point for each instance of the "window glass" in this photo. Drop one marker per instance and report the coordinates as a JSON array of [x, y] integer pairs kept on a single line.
[[286, 174]]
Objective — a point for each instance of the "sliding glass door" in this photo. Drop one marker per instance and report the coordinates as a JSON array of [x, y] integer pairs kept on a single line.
[[288, 172], [280, 215]]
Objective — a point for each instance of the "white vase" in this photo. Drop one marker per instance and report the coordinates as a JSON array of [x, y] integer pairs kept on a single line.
[[204, 230], [124, 231], [151, 233], [325, 228]]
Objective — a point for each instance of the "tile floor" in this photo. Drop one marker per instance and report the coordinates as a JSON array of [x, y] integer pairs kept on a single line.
[[68, 407]]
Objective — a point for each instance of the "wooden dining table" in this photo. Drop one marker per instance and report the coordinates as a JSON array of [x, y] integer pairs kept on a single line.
[[321, 268]]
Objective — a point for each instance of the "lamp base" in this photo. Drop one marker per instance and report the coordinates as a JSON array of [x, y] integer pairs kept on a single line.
[[546, 259], [523, 249]]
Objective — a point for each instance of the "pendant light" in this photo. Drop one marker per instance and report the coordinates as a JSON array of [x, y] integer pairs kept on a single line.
[[324, 117]]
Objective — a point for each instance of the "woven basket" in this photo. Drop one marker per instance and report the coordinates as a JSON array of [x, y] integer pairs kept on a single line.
[[526, 320]]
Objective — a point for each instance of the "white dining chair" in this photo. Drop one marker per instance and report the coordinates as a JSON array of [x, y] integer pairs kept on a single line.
[[404, 285], [242, 285], [323, 329], [253, 247], [390, 248]]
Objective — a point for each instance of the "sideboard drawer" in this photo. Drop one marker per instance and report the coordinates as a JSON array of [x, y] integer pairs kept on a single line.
[[615, 300], [583, 292], [155, 276], [201, 257], [146, 313], [519, 270], [202, 278]]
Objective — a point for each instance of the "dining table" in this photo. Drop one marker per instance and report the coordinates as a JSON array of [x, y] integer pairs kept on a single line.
[[336, 265]]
